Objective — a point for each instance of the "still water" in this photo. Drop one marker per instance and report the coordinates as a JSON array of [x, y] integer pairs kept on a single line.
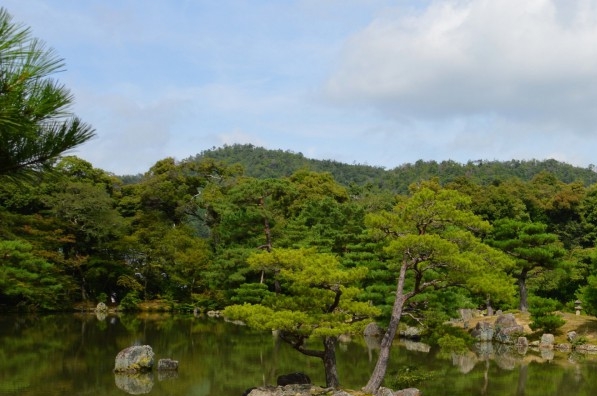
[[74, 355]]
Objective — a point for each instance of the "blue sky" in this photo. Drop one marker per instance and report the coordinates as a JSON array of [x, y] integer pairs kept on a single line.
[[375, 82]]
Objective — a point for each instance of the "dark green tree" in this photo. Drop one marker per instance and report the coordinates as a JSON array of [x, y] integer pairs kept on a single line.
[[532, 247]]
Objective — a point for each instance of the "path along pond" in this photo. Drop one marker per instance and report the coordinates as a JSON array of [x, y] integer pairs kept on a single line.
[[73, 354]]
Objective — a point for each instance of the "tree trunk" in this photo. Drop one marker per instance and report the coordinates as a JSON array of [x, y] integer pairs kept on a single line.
[[522, 291], [379, 372], [329, 362]]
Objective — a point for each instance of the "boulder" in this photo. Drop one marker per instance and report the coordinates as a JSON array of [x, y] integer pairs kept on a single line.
[[293, 378], [483, 331], [373, 330], [507, 329], [408, 392], [167, 365], [134, 359], [547, 341], [571, 336], [410, 332], [384, 392]]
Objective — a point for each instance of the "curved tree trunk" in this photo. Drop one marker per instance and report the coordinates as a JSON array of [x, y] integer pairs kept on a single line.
[[379, 372]]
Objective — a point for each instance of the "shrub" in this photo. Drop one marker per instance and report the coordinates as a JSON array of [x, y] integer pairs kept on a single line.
[[543, 314], [130, 302]]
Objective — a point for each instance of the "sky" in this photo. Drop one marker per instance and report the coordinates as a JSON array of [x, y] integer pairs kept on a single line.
[[376, 82]]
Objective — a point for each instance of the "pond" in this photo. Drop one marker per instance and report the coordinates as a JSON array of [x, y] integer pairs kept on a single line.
[[74, 355]]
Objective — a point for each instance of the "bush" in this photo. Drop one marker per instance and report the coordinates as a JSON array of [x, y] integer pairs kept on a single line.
[[102, 297], [130, 302], [543, 314]]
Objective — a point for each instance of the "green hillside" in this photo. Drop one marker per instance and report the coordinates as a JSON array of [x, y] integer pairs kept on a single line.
[[263, 163]]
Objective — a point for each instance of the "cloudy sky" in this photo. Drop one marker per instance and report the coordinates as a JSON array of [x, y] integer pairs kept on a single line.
[[375, 82]]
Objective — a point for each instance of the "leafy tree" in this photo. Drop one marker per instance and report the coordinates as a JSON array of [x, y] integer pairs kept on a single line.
[[35, 124], [316, 301], [27, 280], [532, 248], [431, 239]]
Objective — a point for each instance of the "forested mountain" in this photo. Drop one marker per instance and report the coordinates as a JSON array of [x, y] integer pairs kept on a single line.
[[260, 163]]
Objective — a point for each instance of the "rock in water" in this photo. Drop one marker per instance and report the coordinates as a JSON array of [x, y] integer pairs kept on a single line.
[[167, 365], [134, 359]]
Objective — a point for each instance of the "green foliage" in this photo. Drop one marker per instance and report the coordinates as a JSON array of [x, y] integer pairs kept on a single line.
[[35, 124], [102, 297], [588, 295], [252, 293], [544, 316], [259, 162], [28, 281], [130, 302]]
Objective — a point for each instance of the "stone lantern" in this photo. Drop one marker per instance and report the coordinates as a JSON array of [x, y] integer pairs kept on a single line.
[[577, 306]]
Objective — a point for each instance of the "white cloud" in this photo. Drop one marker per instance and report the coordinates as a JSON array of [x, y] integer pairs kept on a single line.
[[534, 60]]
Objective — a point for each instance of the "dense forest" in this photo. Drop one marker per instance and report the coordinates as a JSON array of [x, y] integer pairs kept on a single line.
[[184, 231]]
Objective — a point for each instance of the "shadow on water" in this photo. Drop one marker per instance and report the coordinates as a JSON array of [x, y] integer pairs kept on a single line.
[[74, 354]]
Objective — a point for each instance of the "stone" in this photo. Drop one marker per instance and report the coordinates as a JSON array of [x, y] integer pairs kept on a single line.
[[507, 320], [565, 347], [373, 330], [507, 329], [384, 392], [134, 359], [416, 346], [465, 314], [101, 308], [483, 331], [293, 378], [408, 392], [547, 341], [167, 365], [571, 336], [410, 332]]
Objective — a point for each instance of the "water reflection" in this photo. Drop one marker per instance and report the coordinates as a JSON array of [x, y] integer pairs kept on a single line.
[[74, 354], [134, 384]]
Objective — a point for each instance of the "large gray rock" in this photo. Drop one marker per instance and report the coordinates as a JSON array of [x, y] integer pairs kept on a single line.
[[507, 330], [134, 359], [547, 341], [408, 392], [410, 332], [483, 332], [373, 330], [167, 365]]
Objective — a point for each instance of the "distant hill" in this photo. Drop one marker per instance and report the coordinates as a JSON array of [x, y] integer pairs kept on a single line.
[[259, 162]]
